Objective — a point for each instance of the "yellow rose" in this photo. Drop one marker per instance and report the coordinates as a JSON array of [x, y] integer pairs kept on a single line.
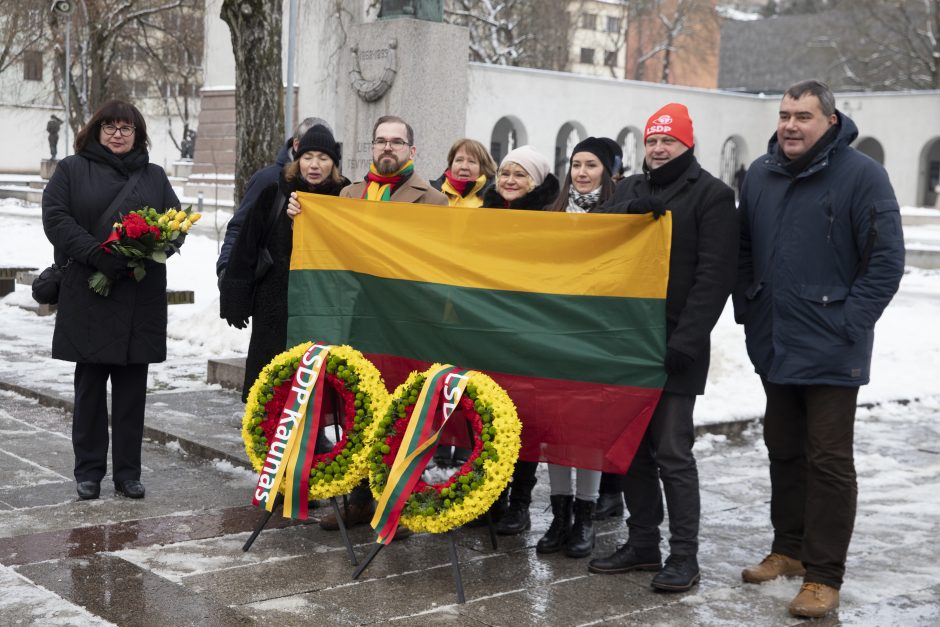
[[184, 226], [174, 226], [194, 217]]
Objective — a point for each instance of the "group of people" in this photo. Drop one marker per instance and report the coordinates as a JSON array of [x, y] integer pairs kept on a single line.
[[812, 255]]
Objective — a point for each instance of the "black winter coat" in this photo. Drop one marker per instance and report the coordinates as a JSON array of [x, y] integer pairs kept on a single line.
[[538, 199], [702, 263], [265, 301], [129, 325]]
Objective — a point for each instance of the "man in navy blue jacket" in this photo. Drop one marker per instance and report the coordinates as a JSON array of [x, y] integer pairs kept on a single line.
[[258, 182], [822, 254]]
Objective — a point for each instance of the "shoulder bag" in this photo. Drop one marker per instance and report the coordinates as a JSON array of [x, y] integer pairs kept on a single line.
[[46, 285]]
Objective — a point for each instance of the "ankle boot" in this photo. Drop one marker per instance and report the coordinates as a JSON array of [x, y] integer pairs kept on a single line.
[[581, 538], [609, 505], [515, 519], [556, 537]]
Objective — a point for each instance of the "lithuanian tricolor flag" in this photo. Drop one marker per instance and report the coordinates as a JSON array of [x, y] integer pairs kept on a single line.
[[565, 311]]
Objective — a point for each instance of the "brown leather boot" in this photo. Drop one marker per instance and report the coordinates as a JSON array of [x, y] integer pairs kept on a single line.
[[814, 600], [773, 566]]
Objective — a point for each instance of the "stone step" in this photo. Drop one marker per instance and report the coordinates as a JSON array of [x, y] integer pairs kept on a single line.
[[228, 373]]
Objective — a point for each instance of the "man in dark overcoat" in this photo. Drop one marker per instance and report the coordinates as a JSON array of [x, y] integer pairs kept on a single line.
[[702, 269]]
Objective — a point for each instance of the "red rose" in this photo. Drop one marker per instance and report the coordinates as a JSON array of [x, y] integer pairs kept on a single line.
[[135, 226]]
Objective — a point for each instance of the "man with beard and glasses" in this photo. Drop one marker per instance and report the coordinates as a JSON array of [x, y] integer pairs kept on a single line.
[[391, 176]]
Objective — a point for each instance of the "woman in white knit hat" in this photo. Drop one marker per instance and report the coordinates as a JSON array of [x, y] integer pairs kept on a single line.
[[523, 181]]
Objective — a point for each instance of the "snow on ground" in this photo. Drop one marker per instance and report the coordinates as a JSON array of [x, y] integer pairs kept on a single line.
[[907, 342]]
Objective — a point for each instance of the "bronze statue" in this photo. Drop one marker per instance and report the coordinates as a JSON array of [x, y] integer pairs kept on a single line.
[[428, 10], [52, 127]]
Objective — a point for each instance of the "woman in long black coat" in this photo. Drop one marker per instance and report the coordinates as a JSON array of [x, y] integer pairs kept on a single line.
[[119, 335], [316, 170]]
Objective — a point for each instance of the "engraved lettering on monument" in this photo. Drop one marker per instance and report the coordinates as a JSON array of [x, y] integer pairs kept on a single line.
[[372, 90]]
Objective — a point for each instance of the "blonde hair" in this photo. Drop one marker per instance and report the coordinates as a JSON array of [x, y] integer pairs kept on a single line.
[[528, 176]]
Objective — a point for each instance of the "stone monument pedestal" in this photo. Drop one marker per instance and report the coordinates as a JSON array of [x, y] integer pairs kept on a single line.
[[411, 68], [47, 167]]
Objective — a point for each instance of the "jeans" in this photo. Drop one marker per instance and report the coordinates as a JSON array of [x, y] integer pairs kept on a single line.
[[665, 454], [809, 433]]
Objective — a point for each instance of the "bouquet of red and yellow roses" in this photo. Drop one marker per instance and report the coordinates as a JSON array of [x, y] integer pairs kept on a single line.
[[141, 235]]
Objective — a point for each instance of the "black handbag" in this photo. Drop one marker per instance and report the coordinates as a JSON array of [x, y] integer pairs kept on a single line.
[[46, 285]]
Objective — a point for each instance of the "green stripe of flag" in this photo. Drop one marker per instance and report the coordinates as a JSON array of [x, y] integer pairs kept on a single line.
[[596, 339]]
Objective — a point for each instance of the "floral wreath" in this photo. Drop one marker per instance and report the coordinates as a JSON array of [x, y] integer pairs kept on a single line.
[[364, 396], [475, 486]]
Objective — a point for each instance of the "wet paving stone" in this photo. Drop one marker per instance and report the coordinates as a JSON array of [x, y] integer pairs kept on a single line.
[[87, 541], [122, 593]]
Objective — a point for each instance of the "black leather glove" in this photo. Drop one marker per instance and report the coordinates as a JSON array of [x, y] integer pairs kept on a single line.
[[677, 362], [649, 204], [110, 265]]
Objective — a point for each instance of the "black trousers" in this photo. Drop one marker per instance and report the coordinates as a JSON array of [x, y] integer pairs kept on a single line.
[[809, 433], [90, 420], [665, 454]]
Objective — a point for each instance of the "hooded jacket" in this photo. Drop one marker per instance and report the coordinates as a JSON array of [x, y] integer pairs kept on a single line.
[[822, 254]]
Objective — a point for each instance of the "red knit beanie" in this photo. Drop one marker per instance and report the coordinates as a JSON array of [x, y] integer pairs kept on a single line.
[[672, 120]]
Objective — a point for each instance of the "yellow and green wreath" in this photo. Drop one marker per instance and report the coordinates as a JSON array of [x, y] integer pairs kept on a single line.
[[475, 486], [362, 394]]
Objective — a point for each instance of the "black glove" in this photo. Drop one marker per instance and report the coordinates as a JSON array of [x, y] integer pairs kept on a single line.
[[677, 362], [110, 265], [238, 324], [235, 300], [649, 204]]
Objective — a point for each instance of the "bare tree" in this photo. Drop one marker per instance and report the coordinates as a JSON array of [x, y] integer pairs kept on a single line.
[[22, 30], [170, 48], [515, 32], [255, 26], [662, 33], [889, 45]]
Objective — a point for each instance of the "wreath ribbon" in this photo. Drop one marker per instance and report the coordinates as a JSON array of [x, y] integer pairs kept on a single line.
[[296, 438], [418, 444]]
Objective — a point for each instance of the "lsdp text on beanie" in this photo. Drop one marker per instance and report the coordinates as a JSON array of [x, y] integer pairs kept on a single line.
[[672, 120]]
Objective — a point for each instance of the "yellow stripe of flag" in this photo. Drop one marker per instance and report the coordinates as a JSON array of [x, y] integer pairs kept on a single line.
[[496, 249]]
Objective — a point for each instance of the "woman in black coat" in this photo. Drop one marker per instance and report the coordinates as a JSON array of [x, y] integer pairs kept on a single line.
[[114, 337], [268, 226]]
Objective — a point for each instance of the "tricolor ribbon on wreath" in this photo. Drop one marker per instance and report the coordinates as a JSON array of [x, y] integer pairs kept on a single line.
[[290, 455], [445, 383]]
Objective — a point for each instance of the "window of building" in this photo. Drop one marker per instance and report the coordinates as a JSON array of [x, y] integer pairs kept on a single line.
[[587, 55], [32, 65], [589, 21], [610, 58], [613, 24]]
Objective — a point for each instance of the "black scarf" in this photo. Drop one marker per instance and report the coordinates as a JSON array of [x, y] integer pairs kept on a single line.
[[328, 187], [130, 161], [799, 164], [669, 172]]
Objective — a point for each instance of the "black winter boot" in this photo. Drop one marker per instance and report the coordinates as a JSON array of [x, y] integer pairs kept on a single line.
[[556, 537], [515, 519], [581, 538], [609, 505]]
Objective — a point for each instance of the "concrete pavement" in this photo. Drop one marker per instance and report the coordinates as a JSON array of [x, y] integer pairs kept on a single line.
[[175, 558]]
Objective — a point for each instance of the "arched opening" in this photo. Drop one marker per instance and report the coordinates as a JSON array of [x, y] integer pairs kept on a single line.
[[929, 173], [731, 168], [871, 147], [507, 134], [631, 141], [568, 137]]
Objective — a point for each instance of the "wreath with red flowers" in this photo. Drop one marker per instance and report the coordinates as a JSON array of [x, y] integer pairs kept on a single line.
[[475, 486], [353, 383]]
